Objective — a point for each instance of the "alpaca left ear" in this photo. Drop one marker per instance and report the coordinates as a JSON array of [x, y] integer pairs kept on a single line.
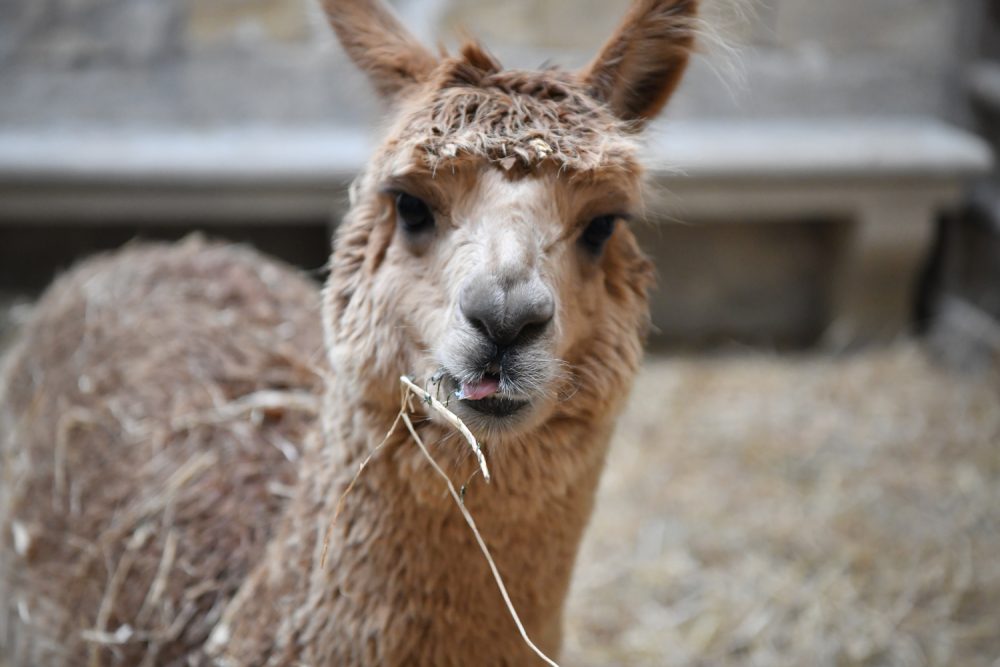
[[641, 64], [379, 44]]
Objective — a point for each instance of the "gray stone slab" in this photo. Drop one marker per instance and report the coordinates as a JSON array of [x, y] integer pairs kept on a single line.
[[830, 148], [201, 63], [890, 148], [251, 155]]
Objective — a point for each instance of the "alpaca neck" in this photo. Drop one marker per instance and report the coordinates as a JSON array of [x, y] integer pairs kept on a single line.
[[404, 581]]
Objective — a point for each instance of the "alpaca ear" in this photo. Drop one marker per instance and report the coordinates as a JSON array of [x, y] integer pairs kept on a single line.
[[379, 44], [640, 66]]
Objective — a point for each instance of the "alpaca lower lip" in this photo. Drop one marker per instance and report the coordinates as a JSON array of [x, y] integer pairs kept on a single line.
[[496, 406]]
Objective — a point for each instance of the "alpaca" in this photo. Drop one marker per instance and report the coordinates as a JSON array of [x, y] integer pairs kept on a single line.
[[175, 443]]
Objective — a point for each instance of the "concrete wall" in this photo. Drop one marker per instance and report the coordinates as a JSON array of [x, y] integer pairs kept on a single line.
[[207, 61], [798, 57], [174, 63], [220, 63]]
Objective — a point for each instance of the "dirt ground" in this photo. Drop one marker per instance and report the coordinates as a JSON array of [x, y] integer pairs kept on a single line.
[[797, 510], [794, 510]]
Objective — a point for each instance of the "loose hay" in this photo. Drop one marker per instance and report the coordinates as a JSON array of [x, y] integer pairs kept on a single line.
[[171, 476], [448, 416], [762, 510]]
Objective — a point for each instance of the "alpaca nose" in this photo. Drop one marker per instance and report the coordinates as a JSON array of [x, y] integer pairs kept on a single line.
[[512, 314]]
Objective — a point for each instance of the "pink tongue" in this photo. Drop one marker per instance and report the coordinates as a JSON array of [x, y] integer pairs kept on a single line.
[[474, 391]]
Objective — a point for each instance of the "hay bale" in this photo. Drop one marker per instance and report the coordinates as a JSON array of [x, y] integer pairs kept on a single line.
[[159, 490]]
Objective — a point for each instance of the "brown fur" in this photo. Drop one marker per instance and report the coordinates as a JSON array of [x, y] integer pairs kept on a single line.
[[373, 37], [148, 502], [641, 65], [474, 108]]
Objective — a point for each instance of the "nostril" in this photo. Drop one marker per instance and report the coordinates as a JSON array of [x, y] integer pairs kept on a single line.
[[479, 302], [480, 326], [514, 333], [533, 316], [531, 332], [524, 328]]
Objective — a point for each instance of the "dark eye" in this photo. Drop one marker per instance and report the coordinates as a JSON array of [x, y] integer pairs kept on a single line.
[[414, 214], [598, 232]]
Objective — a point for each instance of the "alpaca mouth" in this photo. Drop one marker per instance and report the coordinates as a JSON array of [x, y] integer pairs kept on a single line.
[[483, 397], [496, 406]]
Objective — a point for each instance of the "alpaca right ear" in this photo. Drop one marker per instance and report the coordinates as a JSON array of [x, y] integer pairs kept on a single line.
[[375, 39], [642, 63]]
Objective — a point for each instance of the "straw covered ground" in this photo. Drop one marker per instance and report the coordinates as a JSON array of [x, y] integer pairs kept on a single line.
[[799, 511], [792, 510]]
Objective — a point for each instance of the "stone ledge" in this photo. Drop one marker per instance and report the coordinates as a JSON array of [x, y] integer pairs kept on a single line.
[[840, 148], [260, 174]]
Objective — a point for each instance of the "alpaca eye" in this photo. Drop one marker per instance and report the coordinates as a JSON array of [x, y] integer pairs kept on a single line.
[[598, 232], [414, 214]]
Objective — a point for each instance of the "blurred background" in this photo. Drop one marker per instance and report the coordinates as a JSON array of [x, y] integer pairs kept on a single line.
[[809, 471], [824, 171]]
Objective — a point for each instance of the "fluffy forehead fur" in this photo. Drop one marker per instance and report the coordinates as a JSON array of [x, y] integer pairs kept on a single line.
[[472, 109]]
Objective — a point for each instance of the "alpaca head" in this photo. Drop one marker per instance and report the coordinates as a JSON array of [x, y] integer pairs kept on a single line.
[[488, 243]]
